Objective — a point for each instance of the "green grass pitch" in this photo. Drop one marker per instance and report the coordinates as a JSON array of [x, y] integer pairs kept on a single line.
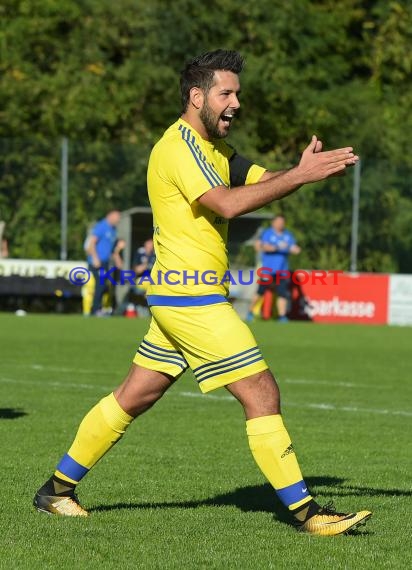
[[182, 490]]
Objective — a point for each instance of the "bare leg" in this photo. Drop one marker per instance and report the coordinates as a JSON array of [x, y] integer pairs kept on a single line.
[[141, 389], [282, 306], [259, 394]]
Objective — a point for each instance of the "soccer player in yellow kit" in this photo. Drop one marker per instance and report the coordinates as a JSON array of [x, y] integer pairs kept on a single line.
[[196, 183]]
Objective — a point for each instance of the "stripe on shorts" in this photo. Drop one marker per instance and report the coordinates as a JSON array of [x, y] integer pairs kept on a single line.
[[150, 350], [239, 360]]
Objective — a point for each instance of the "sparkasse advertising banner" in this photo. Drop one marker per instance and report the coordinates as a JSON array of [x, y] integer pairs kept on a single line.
[[343, 298]]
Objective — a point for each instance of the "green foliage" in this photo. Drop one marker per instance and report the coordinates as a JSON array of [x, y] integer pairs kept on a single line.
[[105, 75]]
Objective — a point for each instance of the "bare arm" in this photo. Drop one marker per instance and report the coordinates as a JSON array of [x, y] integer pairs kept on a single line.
[[117, 259], [139, 269], [91, 250], [313, 166], [295, 249], [269, 175], [258, 246]]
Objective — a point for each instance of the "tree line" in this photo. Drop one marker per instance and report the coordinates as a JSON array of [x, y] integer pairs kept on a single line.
[[105, 75]]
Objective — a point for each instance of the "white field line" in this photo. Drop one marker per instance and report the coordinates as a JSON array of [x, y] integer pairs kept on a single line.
[[65, 370], [323, 383], [56, 384], [316, 406], [60, 369]]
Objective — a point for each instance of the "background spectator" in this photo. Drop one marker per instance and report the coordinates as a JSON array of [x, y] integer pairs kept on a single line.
[[275, 245]]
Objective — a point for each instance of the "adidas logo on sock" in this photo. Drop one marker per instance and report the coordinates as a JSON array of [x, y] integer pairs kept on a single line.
[[287, 451]]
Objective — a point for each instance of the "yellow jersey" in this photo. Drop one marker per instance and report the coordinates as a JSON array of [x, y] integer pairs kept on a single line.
[[189, 239]]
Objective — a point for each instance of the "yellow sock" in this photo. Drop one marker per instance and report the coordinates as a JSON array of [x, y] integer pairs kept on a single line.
[[100, 429], [258, 307], [273, 452], [88, 295]]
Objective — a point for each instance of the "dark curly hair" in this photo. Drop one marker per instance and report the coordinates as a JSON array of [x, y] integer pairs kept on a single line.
[[199, 71]]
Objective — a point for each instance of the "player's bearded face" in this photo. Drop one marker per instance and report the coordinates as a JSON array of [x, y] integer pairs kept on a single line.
[[220, 105], [211, 120]]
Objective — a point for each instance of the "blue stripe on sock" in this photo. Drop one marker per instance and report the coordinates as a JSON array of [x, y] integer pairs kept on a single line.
[[293, 493], [69, 467]]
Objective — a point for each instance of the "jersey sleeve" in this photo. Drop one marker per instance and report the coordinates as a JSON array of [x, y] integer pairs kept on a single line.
[[99, 229], [254, 174], [243, 171], [292, 239], [186, 166]]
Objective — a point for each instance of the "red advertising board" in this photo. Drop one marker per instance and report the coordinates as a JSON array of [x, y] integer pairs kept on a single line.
[[340, 297]]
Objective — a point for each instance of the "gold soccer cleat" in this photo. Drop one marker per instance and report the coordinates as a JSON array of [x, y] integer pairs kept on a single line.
[[327, 522], [67, 506]]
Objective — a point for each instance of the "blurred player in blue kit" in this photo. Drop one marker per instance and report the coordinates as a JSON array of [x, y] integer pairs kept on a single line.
[[275, 245], [100, 247]]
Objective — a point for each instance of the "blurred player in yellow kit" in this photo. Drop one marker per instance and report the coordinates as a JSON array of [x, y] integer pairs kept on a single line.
[[89, 288], [196, 183]]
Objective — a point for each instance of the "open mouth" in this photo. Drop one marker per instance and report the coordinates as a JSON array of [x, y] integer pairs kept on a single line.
[[227, 118]]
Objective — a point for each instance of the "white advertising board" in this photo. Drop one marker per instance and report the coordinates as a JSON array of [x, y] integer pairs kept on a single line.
[[51, 269], [400, 300]]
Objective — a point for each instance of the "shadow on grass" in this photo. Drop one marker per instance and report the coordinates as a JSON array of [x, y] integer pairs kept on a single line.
[[334, 486], [261, 498], [11, 413], [254, 498]]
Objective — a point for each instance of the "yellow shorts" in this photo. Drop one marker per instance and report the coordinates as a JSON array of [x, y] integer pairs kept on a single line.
[[211, 339]]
